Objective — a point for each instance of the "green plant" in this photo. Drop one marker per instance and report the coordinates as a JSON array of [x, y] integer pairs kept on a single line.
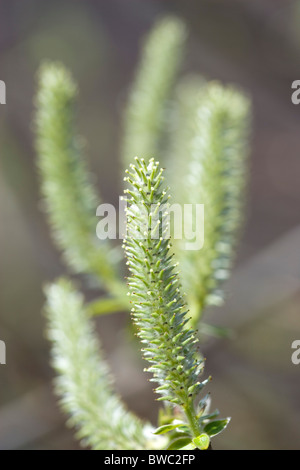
[[212, 133], [203, 147]]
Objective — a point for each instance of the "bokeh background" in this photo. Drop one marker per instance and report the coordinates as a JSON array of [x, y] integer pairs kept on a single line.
[[253, 43]]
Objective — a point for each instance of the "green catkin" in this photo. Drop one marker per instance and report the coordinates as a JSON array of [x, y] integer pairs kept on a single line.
[[158, 308], [145, 114], [215, 133], [84, 383], [207, 152], [69, 197]]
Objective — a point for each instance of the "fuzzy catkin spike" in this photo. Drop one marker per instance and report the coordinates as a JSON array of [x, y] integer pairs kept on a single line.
[[69, 197], [146, 110], [186, 101], [83, 383], [159, 310], [217, 145]]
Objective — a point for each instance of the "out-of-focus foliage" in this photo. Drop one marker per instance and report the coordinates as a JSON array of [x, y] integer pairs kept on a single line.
[[69, 197], [84, 382], [209, 167], [146, 114]]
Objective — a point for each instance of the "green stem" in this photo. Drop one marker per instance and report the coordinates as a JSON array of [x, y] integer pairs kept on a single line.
[[106, 305], [192, 419]]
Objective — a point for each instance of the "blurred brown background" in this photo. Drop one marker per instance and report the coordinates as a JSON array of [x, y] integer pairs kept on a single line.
[[254, 43]]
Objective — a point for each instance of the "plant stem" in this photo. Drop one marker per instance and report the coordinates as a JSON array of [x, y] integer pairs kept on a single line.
[[192, 419]]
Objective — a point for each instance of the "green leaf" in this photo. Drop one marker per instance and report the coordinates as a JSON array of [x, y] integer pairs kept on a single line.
[[209, 416], [215, 427], [190, 446], [179, 443], [170, 427], [183, 428], [202, 441]]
